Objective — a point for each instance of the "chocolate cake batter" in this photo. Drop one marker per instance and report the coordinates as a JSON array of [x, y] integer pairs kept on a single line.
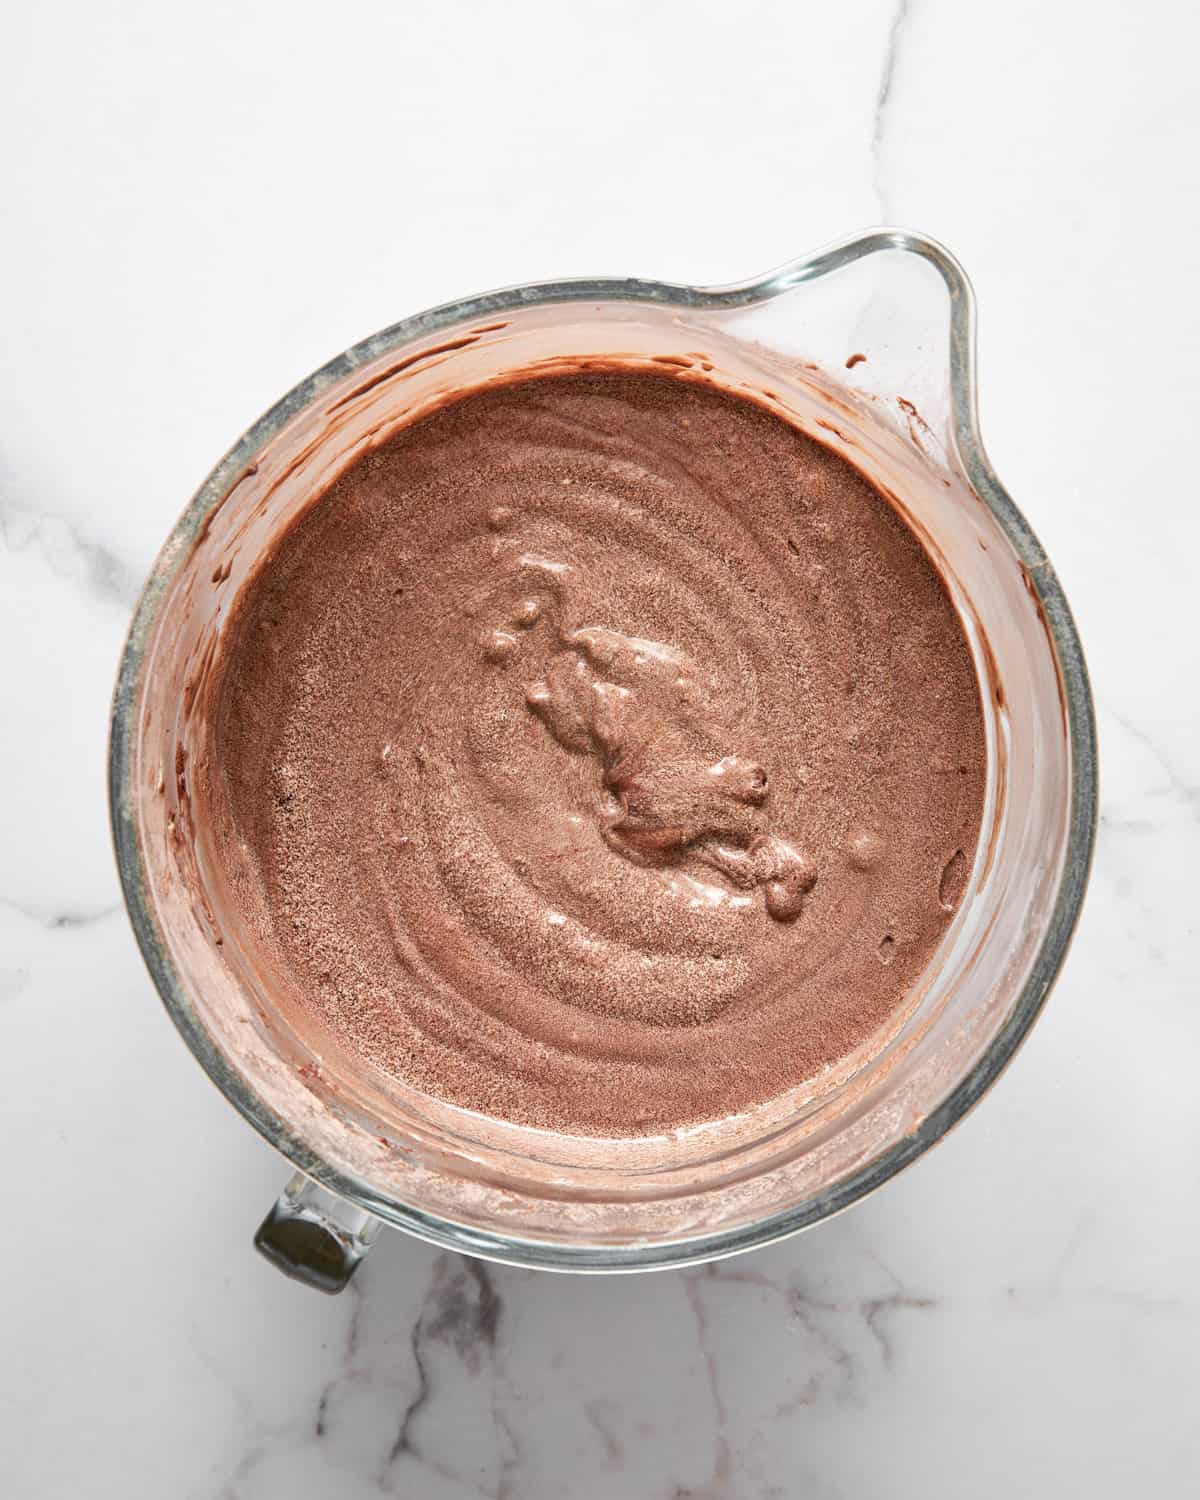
[[601, 753]]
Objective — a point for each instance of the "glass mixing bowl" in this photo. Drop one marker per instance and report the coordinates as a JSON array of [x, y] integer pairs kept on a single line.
[[368, 1155]]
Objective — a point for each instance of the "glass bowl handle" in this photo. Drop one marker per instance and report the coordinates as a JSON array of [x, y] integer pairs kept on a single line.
[[315, 1237]]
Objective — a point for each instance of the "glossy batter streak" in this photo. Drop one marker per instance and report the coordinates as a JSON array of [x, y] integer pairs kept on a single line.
[[601, 753]]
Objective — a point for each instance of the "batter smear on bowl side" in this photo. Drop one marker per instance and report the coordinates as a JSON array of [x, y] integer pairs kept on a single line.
[[600, 753]]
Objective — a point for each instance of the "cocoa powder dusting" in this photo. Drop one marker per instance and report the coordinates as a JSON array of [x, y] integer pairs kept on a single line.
[[601, 753]]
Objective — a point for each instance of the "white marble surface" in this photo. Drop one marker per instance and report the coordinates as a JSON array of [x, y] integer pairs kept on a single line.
[[202, 204]]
